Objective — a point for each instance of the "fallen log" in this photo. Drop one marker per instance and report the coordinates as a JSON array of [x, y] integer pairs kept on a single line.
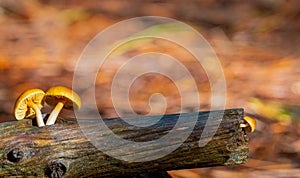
[[62, 150]]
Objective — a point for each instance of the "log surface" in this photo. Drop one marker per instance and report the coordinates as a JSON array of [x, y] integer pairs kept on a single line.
[[62, 150]]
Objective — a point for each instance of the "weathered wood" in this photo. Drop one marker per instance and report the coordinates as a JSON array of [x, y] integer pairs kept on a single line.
[[62, 149]]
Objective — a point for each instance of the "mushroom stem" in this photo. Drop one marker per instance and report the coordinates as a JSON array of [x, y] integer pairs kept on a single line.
[[38, 114], [53, 115], [244, 125]]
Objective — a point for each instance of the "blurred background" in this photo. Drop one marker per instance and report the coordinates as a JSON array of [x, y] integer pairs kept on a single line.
[[256, 41]]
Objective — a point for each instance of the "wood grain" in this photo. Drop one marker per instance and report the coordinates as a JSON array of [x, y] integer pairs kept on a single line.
[[62, 150]]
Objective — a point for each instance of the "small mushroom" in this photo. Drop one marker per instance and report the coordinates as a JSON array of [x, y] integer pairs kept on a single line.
[[249, 125], [30, 102], [61, 97]]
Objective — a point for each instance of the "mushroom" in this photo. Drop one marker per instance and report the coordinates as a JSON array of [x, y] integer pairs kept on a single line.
[[61, 97], [249, 125], [29, 103]]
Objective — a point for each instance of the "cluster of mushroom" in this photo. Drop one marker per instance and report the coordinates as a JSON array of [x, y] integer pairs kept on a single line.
[[32, 101]]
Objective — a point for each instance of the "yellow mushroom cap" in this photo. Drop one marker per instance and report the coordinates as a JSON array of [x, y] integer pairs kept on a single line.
[[251, 122], [62, 94], [21, 108]]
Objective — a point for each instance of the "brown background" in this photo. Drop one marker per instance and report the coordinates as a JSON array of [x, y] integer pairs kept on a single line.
[[257, 43]]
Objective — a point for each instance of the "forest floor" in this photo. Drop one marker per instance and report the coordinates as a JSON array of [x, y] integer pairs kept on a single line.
[[257, 43]]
